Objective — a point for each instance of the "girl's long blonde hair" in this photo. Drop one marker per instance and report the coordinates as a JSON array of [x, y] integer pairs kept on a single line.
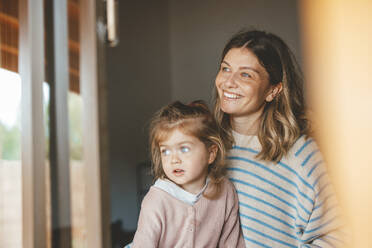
[[193, 119], [284, 119]]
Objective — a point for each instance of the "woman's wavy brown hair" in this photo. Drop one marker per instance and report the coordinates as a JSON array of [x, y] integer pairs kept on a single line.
[[192, 119], [283, 120]]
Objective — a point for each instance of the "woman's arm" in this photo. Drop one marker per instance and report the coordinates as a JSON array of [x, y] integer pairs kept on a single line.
[[324, 227]]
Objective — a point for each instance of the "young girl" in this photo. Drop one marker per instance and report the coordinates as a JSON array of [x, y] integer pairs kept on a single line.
[[191, 203]]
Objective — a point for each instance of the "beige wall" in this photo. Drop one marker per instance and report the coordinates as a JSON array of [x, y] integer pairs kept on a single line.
[[200, 29]]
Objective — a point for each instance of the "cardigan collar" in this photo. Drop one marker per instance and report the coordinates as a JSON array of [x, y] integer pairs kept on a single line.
[[179, 193]]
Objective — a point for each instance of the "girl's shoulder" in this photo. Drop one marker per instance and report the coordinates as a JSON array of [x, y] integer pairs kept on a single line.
[[156, 197], [228, 187]]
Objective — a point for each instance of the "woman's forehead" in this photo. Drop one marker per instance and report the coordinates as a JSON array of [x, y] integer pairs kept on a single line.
[[244, 58]]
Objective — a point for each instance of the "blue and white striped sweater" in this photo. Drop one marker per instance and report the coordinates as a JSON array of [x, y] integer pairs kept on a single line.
[[285, 204]]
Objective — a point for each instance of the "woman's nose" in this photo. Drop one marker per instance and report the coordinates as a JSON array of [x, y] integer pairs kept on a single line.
[[230, 81]]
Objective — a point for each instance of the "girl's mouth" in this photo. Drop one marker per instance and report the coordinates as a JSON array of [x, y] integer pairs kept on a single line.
[[178, 172]]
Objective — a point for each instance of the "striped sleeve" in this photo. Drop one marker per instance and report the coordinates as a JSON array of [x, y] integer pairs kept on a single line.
[[324, 227]]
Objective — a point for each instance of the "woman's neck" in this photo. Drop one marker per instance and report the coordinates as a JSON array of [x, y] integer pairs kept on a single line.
[[246, 125]]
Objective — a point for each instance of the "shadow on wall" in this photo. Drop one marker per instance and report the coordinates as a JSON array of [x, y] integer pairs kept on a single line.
[[120, 237]]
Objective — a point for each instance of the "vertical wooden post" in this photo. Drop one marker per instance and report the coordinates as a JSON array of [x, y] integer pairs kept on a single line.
[[58, 79], [93, 89], [31, 67]]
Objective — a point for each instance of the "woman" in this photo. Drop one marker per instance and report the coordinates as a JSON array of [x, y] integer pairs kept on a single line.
[[285, 199]]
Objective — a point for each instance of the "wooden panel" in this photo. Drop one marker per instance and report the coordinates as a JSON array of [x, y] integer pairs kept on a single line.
[[93, 89], [9, 26]]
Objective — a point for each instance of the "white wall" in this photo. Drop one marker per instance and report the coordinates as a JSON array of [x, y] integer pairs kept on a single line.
[[200, 29]]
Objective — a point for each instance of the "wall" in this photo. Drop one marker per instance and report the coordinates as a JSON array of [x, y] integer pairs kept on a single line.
[[169, 50], [200, 29], [138, 84]]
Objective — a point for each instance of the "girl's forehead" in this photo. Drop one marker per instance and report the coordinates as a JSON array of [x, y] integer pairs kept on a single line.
[[177, 133], [185, 130]]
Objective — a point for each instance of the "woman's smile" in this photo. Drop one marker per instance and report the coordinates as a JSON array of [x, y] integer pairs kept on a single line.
[[231, 96]]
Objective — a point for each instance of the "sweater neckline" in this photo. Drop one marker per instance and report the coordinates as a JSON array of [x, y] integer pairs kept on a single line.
[[246, 140]]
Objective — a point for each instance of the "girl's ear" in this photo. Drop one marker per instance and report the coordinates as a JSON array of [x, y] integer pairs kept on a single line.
[[274, 92], [212, 153]]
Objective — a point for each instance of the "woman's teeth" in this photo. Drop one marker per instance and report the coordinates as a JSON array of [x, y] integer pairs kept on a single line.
[[231, 95]]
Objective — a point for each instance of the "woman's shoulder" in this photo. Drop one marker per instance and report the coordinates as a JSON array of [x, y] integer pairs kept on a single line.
[[303, 147], [305, 158]]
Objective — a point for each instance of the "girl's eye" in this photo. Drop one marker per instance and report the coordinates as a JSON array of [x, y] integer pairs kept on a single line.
[[165, 152], [185, 149], [245, 75]]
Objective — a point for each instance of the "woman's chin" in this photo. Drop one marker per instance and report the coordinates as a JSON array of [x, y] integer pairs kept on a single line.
[[229, 108]]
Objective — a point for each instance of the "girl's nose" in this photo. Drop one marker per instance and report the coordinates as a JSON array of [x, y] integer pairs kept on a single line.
[[175, 159]]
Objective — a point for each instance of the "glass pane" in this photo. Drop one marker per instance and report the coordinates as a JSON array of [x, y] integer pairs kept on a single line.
[[75, 104], [75, 107], [10, 128], [10, 160]]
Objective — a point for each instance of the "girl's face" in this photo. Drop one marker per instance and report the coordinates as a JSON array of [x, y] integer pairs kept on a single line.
[[242, 84], [185, 160]]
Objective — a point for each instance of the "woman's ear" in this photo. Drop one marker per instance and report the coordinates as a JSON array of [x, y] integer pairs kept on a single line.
[[212, 153], [274, 92]]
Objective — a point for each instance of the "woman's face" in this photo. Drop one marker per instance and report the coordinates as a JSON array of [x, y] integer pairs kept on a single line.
[[242, 84]]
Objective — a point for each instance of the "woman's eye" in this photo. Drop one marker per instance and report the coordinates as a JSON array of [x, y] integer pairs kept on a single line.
[[165, 152], [185, 149], [245, 75], [225, 69]]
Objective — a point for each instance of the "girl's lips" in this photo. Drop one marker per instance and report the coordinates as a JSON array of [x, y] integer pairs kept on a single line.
[[178, 172]]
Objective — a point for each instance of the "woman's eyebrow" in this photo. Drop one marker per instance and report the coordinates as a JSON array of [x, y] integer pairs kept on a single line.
[[243, 67], [223, 61], [249, 68]]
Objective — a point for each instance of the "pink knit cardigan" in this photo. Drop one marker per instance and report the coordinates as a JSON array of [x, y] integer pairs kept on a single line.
[[168, 222]]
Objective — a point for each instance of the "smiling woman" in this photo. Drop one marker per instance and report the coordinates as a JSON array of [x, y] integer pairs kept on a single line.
[[285, 198]]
